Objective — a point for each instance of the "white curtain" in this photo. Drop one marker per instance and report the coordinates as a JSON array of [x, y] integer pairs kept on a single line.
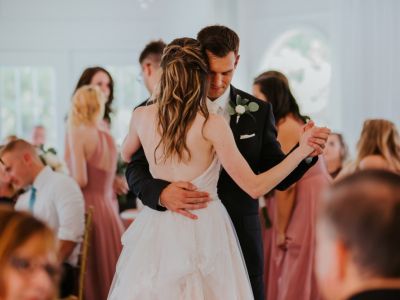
[[366, 80]]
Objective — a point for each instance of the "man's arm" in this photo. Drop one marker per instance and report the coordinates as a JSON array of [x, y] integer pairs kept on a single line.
[[176, 196], [71, 214], [142, 183], [65, 250]]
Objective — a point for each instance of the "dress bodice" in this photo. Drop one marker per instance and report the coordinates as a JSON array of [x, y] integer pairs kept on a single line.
[[208, 180]]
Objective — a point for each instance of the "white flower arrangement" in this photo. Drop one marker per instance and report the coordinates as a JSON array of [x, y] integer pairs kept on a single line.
[[49, 158], [242, 106]]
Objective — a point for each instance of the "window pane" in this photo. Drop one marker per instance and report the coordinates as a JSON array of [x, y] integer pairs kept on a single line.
[[304, 57], [27, 99]]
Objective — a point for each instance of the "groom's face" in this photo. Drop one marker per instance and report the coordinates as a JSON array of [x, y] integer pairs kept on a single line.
[[221, 73]]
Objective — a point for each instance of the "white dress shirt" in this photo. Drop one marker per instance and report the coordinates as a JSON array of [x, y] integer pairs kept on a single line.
[[60, 204], [220, 105]]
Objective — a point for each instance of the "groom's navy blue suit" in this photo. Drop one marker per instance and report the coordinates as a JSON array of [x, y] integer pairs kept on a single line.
[[262, 151]]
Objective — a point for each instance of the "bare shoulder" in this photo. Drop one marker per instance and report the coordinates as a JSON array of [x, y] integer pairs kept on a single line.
[[289, 131], [373, 162], [145, 109], [289, 125], [214, 122], [142, 113]]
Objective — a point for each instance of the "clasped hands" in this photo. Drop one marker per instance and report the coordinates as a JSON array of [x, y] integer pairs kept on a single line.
[[182, 197]]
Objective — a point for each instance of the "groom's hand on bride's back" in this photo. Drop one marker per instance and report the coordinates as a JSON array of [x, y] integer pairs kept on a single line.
[[181, 197]]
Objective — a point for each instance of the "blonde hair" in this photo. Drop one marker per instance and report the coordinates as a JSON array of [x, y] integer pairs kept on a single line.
[[379, 137], [88, 104], [16, 228], [182, 93]]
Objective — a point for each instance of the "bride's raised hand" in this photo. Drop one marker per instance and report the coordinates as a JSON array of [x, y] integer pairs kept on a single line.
[[305, 143], [318, 139]]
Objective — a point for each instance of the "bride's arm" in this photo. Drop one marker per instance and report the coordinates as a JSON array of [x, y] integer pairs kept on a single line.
[[217, 131], [131, 142]]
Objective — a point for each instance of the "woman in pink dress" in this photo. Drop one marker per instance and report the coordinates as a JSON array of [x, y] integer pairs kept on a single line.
[[290, 244], [102, 78], [91, 155]]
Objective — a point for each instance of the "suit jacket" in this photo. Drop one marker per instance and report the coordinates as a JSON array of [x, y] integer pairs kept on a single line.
[[262, 151], [383, 294]]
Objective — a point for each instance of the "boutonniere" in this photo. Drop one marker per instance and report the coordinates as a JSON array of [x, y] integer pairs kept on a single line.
[[242, 106]]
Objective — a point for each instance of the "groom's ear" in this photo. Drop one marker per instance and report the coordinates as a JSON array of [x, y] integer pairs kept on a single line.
[[147, 69], [237, 60]]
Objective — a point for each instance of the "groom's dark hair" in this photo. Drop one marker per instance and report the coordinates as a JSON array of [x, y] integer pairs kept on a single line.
[[219, 40]]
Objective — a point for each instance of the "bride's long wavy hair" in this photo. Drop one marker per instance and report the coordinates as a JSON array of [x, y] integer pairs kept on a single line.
[[182, 93]]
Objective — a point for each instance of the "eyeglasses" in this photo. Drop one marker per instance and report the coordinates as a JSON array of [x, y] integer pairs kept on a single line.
[[27, 267]]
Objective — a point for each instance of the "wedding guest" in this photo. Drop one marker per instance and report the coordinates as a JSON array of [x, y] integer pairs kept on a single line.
[[289, 253], [28, 258], [53, 198], [335, 154], [150, 60], [377, 148], [39, 136], [358, 238], [102, 78], [92, 160], [7, 191]]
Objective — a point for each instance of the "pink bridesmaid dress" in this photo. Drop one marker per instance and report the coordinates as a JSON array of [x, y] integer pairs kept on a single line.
[[289, 274], [105, 239]]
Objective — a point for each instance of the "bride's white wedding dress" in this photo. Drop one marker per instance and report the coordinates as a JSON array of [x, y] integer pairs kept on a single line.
[[168, 256]]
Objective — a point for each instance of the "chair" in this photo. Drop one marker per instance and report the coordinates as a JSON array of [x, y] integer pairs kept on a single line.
[[83, 256]]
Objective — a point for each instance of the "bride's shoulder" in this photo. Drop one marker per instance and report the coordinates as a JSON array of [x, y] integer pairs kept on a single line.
[[215, 124], [143, 110]]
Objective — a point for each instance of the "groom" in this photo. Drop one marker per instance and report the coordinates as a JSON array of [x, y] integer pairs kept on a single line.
[[255, 137]]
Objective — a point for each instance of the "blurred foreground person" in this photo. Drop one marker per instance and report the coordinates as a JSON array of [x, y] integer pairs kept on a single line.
[[28, 258], [358, 238]]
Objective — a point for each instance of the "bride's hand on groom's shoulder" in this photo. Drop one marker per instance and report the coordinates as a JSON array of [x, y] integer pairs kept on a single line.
[[316, 137], [180, 197]]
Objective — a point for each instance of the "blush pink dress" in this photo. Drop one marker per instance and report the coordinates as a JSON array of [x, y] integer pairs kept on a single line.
[[105, 239], [289, 274]]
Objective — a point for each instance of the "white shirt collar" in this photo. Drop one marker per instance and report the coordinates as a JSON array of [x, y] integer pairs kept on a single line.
[[42, 178], [221, 102]]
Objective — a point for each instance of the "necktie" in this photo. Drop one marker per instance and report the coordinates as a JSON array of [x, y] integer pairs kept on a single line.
[[32, 199]]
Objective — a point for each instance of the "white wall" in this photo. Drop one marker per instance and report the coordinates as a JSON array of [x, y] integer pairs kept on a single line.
[[71, 35]]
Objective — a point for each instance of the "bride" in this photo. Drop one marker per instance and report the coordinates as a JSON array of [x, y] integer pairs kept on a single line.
[[168, 256]]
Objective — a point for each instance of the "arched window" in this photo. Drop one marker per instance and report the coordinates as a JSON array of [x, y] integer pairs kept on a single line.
[[303, 55]]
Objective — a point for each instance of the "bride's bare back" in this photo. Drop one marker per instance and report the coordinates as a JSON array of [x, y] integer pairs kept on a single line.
[[172, 170], [203, 140]]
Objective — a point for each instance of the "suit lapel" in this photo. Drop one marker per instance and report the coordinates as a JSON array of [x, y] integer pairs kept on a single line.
[[232, 121], [245, 124]]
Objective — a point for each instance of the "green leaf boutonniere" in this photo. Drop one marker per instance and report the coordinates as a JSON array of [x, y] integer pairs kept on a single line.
[[242, 106]]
